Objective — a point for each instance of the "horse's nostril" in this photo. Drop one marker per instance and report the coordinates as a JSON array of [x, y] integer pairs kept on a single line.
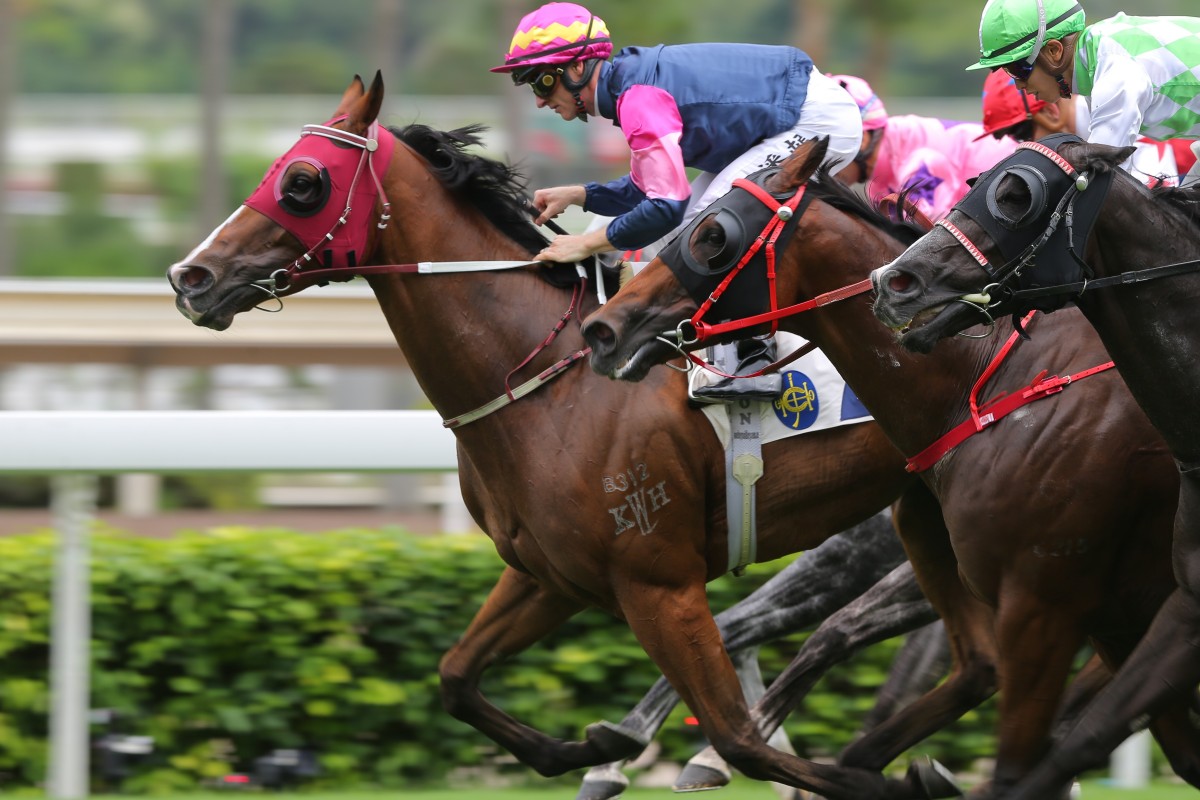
[[899, 281], [600, 335], [191, 280]]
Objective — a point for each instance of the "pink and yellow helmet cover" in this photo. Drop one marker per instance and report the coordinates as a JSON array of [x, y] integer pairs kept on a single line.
[[557, 33]]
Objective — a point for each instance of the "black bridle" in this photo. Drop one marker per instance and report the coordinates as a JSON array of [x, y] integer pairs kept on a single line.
[[1042, 246], [1043, 271]]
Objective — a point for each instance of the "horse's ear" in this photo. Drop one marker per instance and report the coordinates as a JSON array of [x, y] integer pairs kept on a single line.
[[1100, 157], [364, 109], [354, 91], [801, 165]]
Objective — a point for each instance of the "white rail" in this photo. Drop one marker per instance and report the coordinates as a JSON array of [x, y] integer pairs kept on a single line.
[[225, 441], [76, 446]]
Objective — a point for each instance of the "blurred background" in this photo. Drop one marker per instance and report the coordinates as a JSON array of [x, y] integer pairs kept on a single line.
[[129, 129]]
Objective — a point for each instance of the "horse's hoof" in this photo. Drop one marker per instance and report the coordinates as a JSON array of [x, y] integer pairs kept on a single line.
[[601, 790], [934, 780], [699, 778], [614, 742]]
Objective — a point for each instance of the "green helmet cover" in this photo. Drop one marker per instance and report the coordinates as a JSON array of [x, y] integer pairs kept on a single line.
[[1008, 29]]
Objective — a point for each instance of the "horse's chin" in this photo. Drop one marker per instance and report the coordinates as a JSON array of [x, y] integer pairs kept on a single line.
[[637, 365], [217, 313], [935, 323]]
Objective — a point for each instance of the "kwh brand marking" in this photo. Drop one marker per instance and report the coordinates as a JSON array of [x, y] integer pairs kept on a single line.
[[642, 499]]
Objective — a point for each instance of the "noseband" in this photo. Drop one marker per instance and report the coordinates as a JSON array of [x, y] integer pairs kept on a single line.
[[1042, 245]]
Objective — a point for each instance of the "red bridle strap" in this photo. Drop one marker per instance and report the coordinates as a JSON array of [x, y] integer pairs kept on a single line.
[[962, 238], [998, 407], [766, 238], [704, 330], [1051, 154]]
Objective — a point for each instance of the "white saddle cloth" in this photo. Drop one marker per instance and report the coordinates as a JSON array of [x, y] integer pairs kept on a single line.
[[814, 397]]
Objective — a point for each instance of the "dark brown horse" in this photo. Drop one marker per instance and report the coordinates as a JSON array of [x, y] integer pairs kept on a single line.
[[1059, 516], [1147, 320], [595, 493]]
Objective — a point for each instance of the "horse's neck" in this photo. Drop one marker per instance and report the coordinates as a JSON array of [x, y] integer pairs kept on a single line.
[[914, 397], [463, 333]]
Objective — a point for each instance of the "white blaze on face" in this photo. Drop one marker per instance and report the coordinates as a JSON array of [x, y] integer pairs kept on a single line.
[[200, 248]]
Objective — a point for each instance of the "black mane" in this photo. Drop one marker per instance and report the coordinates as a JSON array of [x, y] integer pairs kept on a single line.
[[1183, 199], [495, 189], [830, 190]]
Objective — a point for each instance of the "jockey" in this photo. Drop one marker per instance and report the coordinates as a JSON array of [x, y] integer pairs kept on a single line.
[[1007, 111], [1139, 76], [726, 110], [931, 159]]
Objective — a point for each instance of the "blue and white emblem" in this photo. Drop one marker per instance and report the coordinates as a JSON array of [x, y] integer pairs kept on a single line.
[[798, 403]]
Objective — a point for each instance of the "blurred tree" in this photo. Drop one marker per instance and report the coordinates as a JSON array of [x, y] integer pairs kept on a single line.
[[311, 47]]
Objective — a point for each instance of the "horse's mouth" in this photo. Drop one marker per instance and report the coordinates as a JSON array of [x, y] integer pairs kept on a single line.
[[934, 323], [637, 365], [219, 316], [919, 320]]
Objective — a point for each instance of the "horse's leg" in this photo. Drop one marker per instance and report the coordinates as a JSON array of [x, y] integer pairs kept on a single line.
[[968, 624], [518, 612], [892, 607], [706, 769], [921, 662], [798, 597], [675, 627], [1038, 640], [1163, 668], [1177, 735]]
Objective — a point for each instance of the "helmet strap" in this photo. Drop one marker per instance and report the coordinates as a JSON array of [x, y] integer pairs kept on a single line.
[[864, 155], [1064, 91], [576, 86]]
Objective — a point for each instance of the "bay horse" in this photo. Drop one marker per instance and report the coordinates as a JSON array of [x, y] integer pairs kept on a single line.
[[595, 493], [1059, 518], [1135, 280]]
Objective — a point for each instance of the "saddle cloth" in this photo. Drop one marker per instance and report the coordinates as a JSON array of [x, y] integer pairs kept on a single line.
[[814, 398]]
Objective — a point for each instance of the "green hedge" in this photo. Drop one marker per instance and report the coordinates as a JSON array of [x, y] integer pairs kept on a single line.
[[226, 645]]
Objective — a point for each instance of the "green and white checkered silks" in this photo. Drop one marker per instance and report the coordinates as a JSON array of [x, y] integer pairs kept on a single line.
[[1168, 48]]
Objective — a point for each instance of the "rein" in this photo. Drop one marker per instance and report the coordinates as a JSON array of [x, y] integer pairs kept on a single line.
[[1134, 276]]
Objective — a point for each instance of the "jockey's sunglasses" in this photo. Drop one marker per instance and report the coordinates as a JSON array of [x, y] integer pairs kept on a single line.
[[542, 83], [1019, 70]]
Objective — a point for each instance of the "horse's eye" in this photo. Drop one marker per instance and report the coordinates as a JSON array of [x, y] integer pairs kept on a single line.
[[305, 193], [713, 235]]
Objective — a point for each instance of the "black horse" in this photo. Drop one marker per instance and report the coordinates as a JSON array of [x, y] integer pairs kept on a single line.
[[1020, 240]]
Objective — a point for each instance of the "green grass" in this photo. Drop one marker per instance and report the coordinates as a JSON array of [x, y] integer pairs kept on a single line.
[[740, 789]]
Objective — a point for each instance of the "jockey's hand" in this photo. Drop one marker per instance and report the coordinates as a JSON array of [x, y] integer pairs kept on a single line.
[[567, 249], [553, 201]]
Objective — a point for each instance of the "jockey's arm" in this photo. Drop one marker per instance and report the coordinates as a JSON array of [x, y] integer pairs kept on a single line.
[[1120, 92]]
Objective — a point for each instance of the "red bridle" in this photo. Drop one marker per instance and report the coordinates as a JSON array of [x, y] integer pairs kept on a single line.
[[766, 241]]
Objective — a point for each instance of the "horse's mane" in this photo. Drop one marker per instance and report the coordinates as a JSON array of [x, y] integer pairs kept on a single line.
[[495, 189], [1185, 200], [837, 194]]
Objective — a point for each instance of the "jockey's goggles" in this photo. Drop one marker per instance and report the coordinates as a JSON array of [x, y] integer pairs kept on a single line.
[[542, 83], [1020, 70]]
